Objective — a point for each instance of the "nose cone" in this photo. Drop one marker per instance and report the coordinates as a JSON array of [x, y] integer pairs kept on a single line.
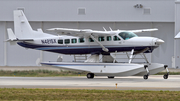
[[159, 41]]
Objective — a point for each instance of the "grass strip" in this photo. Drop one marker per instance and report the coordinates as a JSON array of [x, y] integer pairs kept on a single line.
[[41, 73], [89, 95], [170, 73], [49, 73]]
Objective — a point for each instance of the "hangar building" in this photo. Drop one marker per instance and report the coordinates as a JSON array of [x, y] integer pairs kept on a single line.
[[93, 14]]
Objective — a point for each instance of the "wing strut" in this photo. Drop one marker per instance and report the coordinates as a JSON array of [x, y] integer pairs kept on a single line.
[[103, 48]]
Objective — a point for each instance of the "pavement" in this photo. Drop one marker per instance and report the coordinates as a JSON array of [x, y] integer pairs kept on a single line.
[[155, 82]]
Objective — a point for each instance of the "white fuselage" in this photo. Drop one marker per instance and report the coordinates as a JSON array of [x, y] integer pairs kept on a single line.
[[80, 45]]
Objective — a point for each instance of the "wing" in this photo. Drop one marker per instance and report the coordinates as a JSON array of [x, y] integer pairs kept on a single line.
[[143, 30], [84, 33], [80, 32]]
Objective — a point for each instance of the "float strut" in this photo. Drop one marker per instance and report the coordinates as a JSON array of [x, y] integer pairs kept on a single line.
[[131, 56]]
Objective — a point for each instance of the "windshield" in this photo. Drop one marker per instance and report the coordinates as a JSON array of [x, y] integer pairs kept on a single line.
[[127, 35]]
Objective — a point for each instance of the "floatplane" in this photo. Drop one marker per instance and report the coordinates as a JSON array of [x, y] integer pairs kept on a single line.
[[93, 42]]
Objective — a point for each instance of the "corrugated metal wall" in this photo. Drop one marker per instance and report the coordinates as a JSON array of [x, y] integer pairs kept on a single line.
[[117, 14]]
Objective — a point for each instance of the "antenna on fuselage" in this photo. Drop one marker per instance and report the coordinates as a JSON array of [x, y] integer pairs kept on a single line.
[[110, 29], [104, 29]]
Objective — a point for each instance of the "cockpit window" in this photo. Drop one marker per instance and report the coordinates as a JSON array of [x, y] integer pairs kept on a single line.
[[127, 35]]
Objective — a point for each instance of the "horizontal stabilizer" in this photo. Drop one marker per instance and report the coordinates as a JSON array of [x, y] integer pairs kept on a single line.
[[11, 35], [177, 36]]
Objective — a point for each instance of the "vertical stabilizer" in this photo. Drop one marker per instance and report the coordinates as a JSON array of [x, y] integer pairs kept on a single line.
[[23, 29], [21, 25]]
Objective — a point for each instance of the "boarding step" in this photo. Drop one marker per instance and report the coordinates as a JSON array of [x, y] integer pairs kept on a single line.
[[125, 57], [80, 58]]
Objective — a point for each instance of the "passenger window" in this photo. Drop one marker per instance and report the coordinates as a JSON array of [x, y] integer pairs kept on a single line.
[[91, 40], [60, 41], [73, 40], [115, 38], [81, 40], [67, 41], [101, 38], [108, 38]]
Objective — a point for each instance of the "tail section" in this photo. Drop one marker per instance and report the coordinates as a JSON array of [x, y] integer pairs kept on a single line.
[[12, 36], [23, 29]]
